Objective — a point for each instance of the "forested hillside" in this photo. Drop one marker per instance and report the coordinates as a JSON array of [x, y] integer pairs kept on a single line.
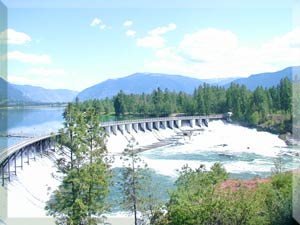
[[270, 107]]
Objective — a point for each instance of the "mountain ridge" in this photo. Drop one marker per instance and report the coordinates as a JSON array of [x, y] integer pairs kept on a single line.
[[44, 95], [267, 79], [11, 94], [8, 93], [139, 83], [136, 83]]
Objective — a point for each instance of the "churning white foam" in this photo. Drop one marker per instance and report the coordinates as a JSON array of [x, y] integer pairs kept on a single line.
[[220, 138]]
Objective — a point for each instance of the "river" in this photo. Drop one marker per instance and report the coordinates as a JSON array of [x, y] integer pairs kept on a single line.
[[245, 153], [28, 122]]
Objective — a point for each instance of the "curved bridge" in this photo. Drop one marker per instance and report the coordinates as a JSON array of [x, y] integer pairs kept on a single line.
[[15, 156], [24, 152]]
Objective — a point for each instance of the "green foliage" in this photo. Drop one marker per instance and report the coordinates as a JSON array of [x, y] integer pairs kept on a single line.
[[138, 191], [285, 92], [201, 197], [193, 201], [80, 198], [277, 199], [254, 119], [120, 103]]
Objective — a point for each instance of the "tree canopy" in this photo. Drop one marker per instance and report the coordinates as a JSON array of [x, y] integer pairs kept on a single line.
[[83, 168]]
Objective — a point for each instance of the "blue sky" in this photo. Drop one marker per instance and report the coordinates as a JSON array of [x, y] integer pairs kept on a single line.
[[71, 46]]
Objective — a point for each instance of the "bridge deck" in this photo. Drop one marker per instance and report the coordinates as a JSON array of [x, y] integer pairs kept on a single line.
[[147, 120], [7, 152]]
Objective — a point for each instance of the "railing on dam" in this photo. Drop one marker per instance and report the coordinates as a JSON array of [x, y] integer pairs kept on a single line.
[[24, 152], [157, 119], [12, 149]]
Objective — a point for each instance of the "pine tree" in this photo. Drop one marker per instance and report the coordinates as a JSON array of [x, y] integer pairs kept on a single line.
[[120, 104], [136, 183], [80, 198], [285, 91]]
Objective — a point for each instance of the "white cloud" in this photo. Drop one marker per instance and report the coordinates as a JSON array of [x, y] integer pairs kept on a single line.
[[283, 49], [29, 58], [208, 44], [10, 36], [154, 39], [162, 30], [130, 33], [103, 26], [46, 72], [127, 23], [151, 42], [95, 22], [217, 53], [98, 22]]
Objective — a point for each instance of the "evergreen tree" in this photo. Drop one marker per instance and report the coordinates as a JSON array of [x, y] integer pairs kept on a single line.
[[120, 104], [80, 198], [260, 102], [199, 98], [158, 102], [285, 92], [137, 196]]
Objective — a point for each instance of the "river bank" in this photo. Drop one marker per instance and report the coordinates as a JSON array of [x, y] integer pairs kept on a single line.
[[286, 136]]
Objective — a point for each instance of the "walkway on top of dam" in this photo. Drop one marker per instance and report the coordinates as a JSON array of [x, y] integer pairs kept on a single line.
[[159, 119], [5, 153]]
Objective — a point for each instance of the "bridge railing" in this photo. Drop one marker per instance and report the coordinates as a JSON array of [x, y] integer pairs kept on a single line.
[[124, 122], [12, 149]]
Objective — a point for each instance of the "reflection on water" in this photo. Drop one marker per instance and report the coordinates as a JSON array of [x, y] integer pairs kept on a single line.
[[29, 121], [35, 121]]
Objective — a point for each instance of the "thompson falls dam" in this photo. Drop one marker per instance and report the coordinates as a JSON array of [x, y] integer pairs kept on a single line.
[[15, 156]]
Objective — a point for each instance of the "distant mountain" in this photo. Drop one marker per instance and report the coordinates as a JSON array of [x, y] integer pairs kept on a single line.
[[43, 95], [10, 94], [267, 80], [138, 83], [220, 81], [14, 94], [146, 82]]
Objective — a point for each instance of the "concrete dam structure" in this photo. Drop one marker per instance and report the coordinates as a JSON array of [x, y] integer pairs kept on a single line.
[[22, 153], [141, 125]]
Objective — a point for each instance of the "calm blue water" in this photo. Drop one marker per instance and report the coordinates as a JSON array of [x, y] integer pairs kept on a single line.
[[29, 121], [34, 121]]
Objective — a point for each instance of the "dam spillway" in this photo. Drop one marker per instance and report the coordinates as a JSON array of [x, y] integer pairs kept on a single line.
[[141, 125], [36, 146]]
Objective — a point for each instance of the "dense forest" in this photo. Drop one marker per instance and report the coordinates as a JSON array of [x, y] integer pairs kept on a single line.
[[271, 108]]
